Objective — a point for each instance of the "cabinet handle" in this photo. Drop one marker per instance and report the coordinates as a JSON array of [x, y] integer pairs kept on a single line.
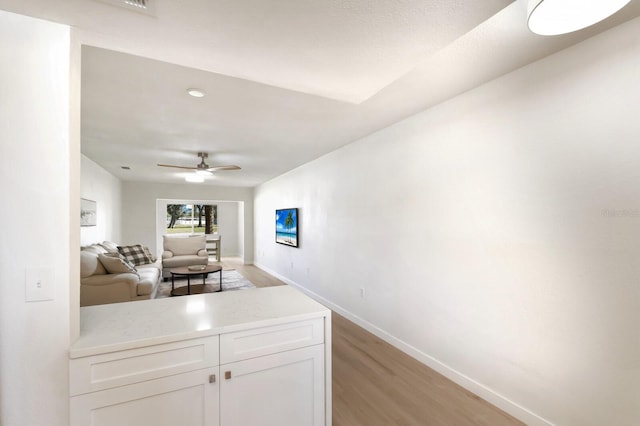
[[212, 378], [227, 375]]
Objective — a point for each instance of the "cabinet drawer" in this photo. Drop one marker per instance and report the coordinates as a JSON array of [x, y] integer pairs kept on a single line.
[[257, 342], [106, 371]]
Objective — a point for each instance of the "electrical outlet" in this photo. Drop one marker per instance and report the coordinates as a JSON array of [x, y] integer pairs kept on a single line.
[[291, 265], [361, 291]]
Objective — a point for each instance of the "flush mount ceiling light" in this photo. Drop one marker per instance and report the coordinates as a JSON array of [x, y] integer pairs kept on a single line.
[[194, 178], [554, 17], [196, 93]]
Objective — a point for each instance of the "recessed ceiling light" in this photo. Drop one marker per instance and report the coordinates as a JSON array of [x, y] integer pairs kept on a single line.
[[194, 178], [196, 93], [555, 17]]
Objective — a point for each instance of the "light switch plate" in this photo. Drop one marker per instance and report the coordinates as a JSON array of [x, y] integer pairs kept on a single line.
[[38, 284]]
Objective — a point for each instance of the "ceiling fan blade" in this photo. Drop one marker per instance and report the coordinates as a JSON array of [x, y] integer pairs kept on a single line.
[[177, 167], [218, 168]]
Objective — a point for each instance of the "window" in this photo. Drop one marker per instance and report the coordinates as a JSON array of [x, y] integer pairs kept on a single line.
[[192, 219]]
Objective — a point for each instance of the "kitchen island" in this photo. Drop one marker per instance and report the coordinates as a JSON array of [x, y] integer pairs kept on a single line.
[[251, 357]]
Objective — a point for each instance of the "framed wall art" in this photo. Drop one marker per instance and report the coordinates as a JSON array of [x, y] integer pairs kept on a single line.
[[287, 227], [88, 215]]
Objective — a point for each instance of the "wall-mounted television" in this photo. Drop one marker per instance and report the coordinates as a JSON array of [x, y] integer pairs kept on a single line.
[[287, 227]]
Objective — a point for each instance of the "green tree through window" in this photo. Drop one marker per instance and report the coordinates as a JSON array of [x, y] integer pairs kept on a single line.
[[192, 219]]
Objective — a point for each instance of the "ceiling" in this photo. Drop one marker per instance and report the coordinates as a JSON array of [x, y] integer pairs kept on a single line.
[[286, 81]]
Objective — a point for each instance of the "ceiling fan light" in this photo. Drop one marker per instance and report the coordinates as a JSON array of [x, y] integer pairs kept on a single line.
[[555, 17], [203, 172], [194, 178]]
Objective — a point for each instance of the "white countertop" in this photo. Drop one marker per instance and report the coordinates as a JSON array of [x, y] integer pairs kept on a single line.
[[120, 326]]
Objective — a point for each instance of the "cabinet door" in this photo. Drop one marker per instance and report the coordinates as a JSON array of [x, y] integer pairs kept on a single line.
[[187, 399], [284, 389]]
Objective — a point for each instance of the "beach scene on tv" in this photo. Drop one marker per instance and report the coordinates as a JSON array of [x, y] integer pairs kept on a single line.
[[287, 227]]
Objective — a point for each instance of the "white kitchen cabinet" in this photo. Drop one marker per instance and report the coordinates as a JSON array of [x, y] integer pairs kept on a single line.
[[248, 358], [284, 389], [187, 399], [169, 384]]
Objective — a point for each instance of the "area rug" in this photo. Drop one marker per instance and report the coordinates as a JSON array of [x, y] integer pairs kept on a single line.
[[231, 280]]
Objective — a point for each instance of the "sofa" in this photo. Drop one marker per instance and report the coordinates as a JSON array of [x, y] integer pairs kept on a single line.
[[108, 276], [183, 251]]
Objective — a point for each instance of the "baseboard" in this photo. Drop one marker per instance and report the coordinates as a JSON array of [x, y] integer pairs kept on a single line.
[[466, 382]]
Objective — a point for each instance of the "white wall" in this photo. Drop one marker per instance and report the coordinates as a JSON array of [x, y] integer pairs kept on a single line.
[[228, 228], [99, 185], [228, 224], [241, 232], [497, 236], [139, 200], [34, 129]]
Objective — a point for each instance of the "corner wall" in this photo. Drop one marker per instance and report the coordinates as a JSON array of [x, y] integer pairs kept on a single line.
[[496, 236], [35, 124]]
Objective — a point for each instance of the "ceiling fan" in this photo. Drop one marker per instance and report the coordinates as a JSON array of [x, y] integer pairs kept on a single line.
[[203, 167]]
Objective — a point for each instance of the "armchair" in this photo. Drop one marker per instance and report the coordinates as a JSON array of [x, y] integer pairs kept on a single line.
[[183, 251]]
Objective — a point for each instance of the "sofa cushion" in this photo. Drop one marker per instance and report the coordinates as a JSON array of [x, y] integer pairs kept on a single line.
[[149, 278], [94, 248], [187, 260], [135, 254], [90, 264], [180, 246], [155, 265], [109, 246], [116, 264]]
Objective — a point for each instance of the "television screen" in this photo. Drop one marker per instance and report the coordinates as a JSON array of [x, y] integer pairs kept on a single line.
[[287, 227]]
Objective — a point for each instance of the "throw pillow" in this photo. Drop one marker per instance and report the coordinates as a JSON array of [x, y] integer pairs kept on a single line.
[[150, 255], [109, 246], [134, 254], [114, 264]]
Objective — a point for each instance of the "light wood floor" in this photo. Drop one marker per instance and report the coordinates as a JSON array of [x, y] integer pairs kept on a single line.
[[375, 384], [256, 275]]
